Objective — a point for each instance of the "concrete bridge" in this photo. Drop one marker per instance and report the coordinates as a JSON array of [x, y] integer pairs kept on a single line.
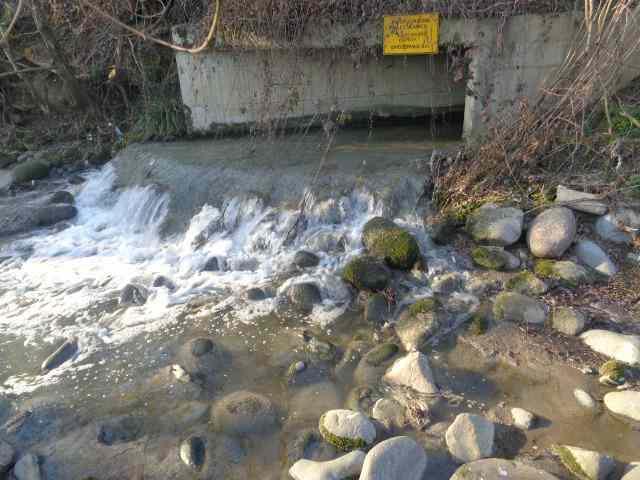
[[502, 63]]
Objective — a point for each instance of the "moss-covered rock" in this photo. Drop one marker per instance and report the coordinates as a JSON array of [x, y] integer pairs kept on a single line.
[[424, 305], [585, 464], [494, 258], [384, 239], [568, 320], [480, 320], [381, 354], [527, 283], [612, 373], [566, 273], [569, 461], [30, 170], [366, 273], [347, 430]]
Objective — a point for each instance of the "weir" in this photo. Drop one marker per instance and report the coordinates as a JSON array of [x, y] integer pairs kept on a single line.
[[484, 68]]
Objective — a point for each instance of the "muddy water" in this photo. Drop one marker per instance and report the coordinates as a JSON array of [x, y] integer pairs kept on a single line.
[[64, 283]]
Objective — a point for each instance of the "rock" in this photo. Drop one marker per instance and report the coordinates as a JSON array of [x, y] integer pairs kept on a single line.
[[515, 307], [447, 284], [398, 458], [608, 227], [211, 265], [305, 403], [307, 444], [244, 413], [162, 281], [417, 324], [63, 197], [303, 296], [580, 201], [30, 170], [412, 371], [193, 451], [592, 255], [363, 398], [374, 362], [305, 259], [347, 430], [584, 399], [63, 353], [585, 464], [120, 430], [133, 294], [625, 404], [501, 226], [494, 258], [7, 456], [632, 472], [552, 232], [625, 348], [317, 349], [612, 373], [470, 437], [499, 469], [48, 215], [390, 413], [441, 230], [27, 468], [347, 466], [186, 415], [384, 239], [523, 418], [527, 283], [255, 294], [566, 273], [366, 273], [568, 320], [377, 309]]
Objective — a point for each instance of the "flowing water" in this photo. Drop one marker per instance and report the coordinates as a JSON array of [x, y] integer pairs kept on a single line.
[[65, 283]]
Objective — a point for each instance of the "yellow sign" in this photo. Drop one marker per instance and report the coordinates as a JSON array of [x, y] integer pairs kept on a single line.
[[411, 34]]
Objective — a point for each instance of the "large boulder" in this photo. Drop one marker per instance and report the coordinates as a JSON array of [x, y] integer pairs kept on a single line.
[[347, 430], [494, 258], [552, 232], [398, 458], [490, 224], [515, 307], [384, 239], [625, 404], [499, 469], [580, 201], [624, 348], [585, 464], [470, 437], [592, 255], [346, 466], [412, 371], [244, 413], [33, 169], [366, 273]]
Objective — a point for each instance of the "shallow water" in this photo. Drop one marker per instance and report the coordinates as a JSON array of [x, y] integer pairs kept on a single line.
[[63, 283]]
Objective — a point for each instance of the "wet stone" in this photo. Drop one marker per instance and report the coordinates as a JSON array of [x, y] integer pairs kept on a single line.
[[133, 294], [585, 464], [211, 265], [7, 456], [162, 281], [584, 399], [120, 430], [363, 398], [201, 346], [398, 458], [308, 444], [303, 296], [305, 259], [27, 468], [366, 273], [193, 452], [255, 294], [63, 353], [63, 197], [347, 430], [470, 437], [244, 413], [376, 310]]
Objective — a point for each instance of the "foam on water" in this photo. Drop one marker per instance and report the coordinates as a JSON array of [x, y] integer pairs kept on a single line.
[[58, 291]]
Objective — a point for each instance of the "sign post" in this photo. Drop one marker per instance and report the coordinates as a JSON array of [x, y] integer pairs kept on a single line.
[[411, 34]]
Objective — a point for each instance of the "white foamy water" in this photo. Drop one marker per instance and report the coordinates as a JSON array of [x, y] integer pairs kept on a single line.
[[59, 290]]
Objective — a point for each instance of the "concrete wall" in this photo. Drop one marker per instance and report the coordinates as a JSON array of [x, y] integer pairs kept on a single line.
[[507, 63]]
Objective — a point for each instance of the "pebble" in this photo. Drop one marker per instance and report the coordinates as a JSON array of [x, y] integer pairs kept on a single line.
[[412, 371], [398, 458], [470, 437], [193, 452], [584, 399], [346, 466], [523, 418]]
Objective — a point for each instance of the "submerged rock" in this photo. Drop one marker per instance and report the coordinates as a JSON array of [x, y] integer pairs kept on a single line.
[[255, 294], [566, 273], [580, 201], [211, 265], [244, 413], [63, 353], [376, 310], [27, 468], [346, 466], [499, 469], [522, 418], [625, 348], [303, 296], [624, 404], [133, 294], [412, 371], [193, 451], [347, 430], [568, 321], [495, 225], [592, 255], [494, 258], [120, 430], [515, 307], [305, 259], [162, 281], [585, 464], [527, 283], [448, 283], [390, 413], [612, 373], [366, 273], [584, 399], [384, 239], [417, 324], [398, 458], [63, 197], [7, 456], [470, 437], [552, 232]]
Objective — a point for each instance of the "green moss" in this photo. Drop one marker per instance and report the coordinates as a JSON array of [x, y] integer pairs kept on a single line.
[[492, 258], [398, 248], [366, 273], [479, 323], [569, 461], [544, 269], [526, 283], [425, 305], [30, 170], [381, 354], [341, 443], [621, 124], [612, 372]]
